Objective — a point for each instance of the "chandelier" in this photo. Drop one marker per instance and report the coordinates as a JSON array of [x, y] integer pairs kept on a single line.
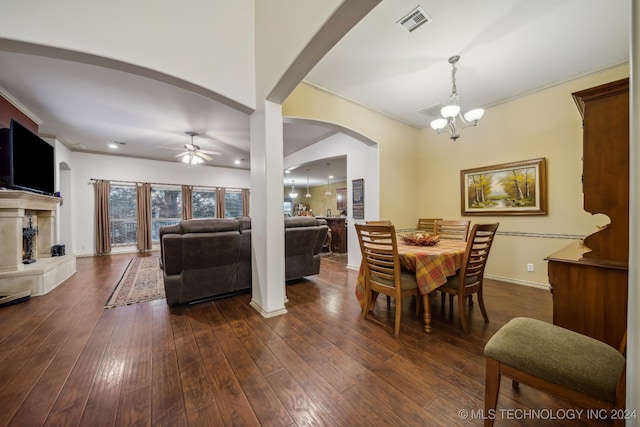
[[449, 112], [293, 193]]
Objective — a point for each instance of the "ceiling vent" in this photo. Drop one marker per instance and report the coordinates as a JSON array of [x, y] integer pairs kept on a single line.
[[432, 111], [414, 19]]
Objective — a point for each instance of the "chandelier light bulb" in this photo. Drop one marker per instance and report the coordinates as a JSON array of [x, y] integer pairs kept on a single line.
[[474, 115], [438, 124], [450, 111]]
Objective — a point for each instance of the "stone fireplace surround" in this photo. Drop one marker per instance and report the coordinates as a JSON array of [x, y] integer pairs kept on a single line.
[[47, 272]]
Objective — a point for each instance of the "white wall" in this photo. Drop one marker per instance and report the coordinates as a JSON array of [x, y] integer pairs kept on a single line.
[[187, 40], [362, 162], [63, 234], [86, 166]]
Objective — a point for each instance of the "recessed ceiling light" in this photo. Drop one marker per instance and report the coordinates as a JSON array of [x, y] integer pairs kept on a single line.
[[116, 144], [237, 162], [330, 176], [287, 171]]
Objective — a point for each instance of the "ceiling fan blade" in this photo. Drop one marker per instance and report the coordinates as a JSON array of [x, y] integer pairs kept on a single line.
[[182, 154], [172, 148], [215, 153], [204, 156]]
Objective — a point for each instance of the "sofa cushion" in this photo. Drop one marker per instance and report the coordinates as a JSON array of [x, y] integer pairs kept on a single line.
[[300, 221], [209, 225], [204, 250]]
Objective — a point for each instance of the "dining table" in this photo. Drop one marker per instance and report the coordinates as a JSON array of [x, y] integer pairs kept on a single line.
[[431, 264]]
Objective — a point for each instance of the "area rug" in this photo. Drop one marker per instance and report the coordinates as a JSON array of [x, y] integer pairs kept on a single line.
[[141, 281]]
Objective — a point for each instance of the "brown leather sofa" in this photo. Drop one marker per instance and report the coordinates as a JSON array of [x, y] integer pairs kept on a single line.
[[209, 258]]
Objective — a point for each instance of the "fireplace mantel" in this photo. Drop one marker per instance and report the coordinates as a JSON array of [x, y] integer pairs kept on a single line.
[[15, 209]]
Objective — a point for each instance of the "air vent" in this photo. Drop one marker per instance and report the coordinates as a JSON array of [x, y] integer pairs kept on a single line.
[[432, 111], [414, 19]]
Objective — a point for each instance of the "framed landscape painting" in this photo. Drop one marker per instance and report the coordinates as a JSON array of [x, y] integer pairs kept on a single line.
[[517, 188]]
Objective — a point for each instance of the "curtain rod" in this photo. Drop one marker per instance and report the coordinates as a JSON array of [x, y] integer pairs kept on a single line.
[[162, 183]]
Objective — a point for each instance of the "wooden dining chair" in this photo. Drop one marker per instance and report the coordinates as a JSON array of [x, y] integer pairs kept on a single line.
[[470, 277], [452, 229], [379, 222], [381, 268], [428, 224], [382, 222]]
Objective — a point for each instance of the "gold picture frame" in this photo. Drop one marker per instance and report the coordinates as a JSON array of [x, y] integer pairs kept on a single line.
[[516, 188]]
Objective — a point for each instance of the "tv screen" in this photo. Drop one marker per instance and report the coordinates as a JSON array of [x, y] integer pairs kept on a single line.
[[26, 161]]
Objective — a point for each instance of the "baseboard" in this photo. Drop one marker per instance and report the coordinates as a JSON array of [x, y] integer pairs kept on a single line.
[[544, 286], [267, 314]]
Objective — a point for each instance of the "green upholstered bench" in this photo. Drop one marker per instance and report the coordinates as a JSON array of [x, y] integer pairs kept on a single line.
[[558, 361]]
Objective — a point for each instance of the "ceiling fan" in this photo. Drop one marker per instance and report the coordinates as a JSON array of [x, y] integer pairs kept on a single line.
[[193, 154]]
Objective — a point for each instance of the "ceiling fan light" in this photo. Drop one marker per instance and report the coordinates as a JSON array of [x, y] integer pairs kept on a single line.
[[438, 124], [196, 160], [450, 111], [186, 159], [474, 115]]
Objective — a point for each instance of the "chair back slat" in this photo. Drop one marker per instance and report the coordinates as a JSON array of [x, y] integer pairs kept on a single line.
[[477, 253], [428, 224], [379, 222], [379, 249], [452, 229]]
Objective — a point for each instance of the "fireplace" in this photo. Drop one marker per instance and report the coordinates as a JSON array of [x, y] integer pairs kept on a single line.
[[20, 211]]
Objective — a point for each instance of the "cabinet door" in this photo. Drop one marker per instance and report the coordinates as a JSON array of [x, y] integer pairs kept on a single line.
[[341, 198]]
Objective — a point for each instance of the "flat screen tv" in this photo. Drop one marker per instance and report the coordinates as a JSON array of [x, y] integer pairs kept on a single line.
[[26, 161]]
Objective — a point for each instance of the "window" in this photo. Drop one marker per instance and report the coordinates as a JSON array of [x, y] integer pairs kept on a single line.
[[233, 203], [203, 203], [166, 209], [123, 226]]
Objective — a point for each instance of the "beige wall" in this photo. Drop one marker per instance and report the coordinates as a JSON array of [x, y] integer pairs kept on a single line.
[[420, 171], [397, 144], [543, 124]]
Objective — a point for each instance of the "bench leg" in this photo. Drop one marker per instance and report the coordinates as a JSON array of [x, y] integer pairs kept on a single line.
[[491, 390]]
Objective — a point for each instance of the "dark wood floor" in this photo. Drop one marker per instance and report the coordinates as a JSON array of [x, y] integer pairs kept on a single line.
[[66, 361]]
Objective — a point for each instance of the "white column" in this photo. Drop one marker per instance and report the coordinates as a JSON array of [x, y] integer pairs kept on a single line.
[[267, 224], [633, 319]]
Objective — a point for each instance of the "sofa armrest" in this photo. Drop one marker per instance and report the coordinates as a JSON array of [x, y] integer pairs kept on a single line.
[[172, 253]]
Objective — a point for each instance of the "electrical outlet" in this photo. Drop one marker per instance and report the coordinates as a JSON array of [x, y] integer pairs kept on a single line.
[[529, 267]]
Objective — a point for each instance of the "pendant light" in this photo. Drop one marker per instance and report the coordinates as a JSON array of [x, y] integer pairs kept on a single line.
[[328, 192], [308, 195], [293, 193]]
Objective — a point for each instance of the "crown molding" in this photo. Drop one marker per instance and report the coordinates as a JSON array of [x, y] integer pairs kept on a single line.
[[24, 110]]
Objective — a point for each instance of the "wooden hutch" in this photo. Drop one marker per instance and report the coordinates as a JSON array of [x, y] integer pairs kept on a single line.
[[589, 282]]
